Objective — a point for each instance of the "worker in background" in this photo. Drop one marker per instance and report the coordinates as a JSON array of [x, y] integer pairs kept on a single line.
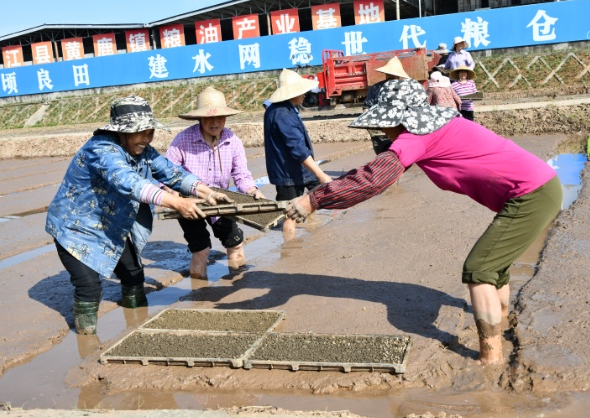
[[393, 70], [459, 57], [288, 151], [463, 157], [443, 52]]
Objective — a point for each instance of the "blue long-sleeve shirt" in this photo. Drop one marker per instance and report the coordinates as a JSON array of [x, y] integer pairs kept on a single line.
[[286, 145], [96, 206]]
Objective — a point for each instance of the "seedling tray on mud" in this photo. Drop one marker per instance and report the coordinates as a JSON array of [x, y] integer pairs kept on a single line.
[[323, 352], [190, 338]]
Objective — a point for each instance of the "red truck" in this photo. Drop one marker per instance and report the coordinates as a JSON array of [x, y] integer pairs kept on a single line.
[[346, 79]]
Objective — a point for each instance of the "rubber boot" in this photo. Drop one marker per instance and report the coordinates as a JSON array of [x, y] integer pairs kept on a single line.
[[85, 317], [133, 296], [198, 266]]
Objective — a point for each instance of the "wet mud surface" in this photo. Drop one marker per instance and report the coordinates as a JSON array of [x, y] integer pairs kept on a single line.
[[389, 266]]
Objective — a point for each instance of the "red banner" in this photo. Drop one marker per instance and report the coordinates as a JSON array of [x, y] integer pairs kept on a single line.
[[72, 49], [137, 40], [245, 26], [368, 11], [208, 31], [42, 53], [104, 44], [172, 36], [326, 16], [12, 56], [284, 21]]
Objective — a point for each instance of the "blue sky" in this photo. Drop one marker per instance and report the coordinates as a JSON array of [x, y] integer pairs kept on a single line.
[[17, 15]]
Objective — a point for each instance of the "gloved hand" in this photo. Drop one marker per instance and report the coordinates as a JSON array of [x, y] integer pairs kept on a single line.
[[296, 211], [257, 194], [216, 198]]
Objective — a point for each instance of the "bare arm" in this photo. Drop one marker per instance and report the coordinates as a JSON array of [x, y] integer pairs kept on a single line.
[[312, 166]]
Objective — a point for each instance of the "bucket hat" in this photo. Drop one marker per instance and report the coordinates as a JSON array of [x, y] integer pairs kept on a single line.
[[404, 102], [210, 103], [393, 67], [442, 48], [458, 40], [132, 114], [455, 73], [438, 80], [291, 85]]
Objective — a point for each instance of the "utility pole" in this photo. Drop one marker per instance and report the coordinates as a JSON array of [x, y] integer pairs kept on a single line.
[[397, 9]]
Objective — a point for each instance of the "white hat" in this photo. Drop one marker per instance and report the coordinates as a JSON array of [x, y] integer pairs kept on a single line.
[[393, 67], [442, 48], [210, 103], [291, 85], [438, 80], [458, 40]]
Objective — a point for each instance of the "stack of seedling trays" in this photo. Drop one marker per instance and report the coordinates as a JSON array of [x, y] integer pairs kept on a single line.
[[247, 339], [261, 214]]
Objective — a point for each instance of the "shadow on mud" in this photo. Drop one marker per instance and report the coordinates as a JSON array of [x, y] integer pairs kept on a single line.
[[411, 308]]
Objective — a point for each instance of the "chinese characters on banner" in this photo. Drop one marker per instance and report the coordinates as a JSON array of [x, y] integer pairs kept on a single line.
[[72, 49], [326, 16], [368, 11], [42, 53], [245, 26], [172, 36], [137, 40], [12, 56], [284, 21], [104, 44], [208, 31]]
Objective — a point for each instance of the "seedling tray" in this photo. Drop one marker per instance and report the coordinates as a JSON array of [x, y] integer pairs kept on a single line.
[[323, 352], [195, 337]]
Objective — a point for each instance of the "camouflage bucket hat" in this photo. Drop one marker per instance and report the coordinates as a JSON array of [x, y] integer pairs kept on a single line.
[[405, 102], [132, 114]]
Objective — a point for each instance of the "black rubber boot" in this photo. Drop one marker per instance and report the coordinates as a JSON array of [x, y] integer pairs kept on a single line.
[[133, 296], [85, 317]]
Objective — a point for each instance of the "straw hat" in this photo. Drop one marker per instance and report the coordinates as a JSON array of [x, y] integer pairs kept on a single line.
[[405, 102], [393, 67], [458, 40], [291, 85], [438, 80], [210, 103], [442, 48], [455, 73], [131, 114]]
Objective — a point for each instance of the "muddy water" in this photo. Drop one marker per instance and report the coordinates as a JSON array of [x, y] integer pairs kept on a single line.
[[41, 382]]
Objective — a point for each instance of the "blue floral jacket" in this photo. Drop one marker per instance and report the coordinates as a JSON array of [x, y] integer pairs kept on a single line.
[[96, 206]]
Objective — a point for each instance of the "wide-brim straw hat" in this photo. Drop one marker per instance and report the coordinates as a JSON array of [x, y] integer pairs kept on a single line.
[[437, 79], [458, 40], [442, 48], [455, 73], [393, 67], [132, 114], [210, 103], [405, 102], [291, 85]]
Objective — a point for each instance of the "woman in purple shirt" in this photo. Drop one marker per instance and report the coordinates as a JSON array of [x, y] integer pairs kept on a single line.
[[216, 155], [459, 57], [463, 157]]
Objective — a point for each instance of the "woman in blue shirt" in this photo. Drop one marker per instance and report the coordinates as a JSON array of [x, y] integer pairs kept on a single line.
[[101, 216]]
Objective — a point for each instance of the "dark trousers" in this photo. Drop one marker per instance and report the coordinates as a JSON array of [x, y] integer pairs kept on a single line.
[[87, 285], [467, 114], [198, 238]]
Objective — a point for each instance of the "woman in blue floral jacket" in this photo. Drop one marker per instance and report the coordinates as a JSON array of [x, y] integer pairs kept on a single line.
[[101, 216]]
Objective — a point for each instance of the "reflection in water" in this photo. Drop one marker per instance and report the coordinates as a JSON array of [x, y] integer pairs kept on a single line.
[[569, 169], [87, 344]]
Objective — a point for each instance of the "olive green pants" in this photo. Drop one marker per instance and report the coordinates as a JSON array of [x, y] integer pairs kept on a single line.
[[511, 232]]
